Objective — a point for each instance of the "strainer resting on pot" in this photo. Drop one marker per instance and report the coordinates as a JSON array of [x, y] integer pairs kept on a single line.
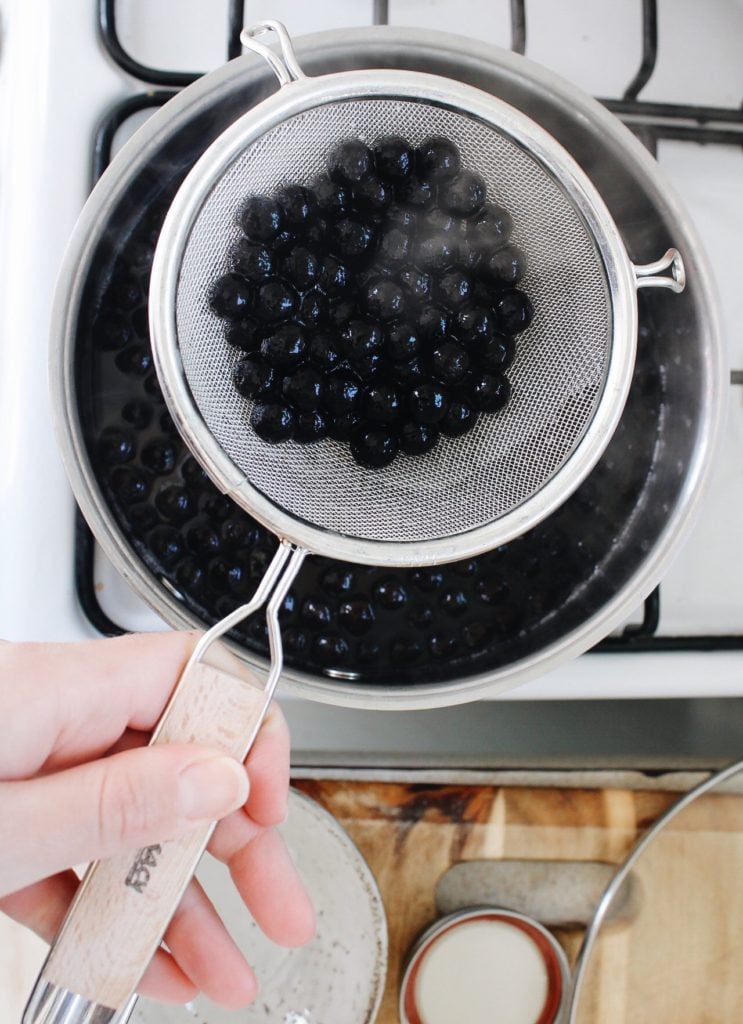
[[464, 497]]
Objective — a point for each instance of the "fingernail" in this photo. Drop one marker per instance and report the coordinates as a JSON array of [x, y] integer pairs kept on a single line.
[[210, 789]]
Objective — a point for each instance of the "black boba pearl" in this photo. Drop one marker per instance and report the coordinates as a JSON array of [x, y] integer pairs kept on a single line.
[[140, 256], [335, 277], [454, 602], [285, 348], [175, 503], [504, 266], [442, 646], [259, 559], [152, 387], [276, 300], [361, 337], [394, 158], [382, 403], [343, 393], [296, 642], [438, 158], [433, 324], [160, 456], [315, 235], [370, 367], [166, 544], [204, 541], [243, 334], [240, 533], [416, 192], [498, 352], [514, 311], [338, 580], [283, 242], [301, 267], [417, 438], [167, 425], [384, 299], [344, 426], [315, 613], [253, 261], [372, 195], [190, 576], [129, 484], [491, 226], [231, 296], [194, 474], [323, 351], [395, 247], [137, 413], [439, 222], [475, 635], [140, 322], [260, 218], [470, 254], [135, 360], [330, 649], [353, 238], [112, 332], [402, 216], [401, 341], [428, 404], [304, 389], [357, 616], [369, 651], [416, 282], [272, 421], [490, 391], [460, 417], [253, 376], [311, 426], [127, 293], [226, 575], [313, 309], [333, 199], [350, 161], [374, 446], [217, 507], [390, 593], [450, 363], [463, 195], [475, 326], [428, 580], [341, 311], [410, 374], [299, 207], [116, 447], [453, 288], [436, 252]]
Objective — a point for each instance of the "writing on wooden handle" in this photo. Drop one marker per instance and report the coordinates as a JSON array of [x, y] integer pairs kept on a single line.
[[124, 904]]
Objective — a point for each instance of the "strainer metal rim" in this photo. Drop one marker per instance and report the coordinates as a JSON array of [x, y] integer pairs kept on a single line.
[[293, 99]]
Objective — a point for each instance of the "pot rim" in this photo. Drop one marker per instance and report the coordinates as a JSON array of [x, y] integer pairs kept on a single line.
[[159, 594]]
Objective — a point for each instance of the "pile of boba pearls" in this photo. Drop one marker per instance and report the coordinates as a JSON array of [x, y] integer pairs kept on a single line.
[[377, 305]]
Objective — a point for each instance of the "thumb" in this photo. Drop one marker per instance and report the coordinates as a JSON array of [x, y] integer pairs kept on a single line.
[[114, 804]]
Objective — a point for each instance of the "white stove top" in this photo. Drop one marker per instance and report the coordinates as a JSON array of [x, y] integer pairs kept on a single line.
[[56, 82]]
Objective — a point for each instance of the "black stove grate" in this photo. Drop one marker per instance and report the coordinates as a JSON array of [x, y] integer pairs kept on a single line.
[[651, 122]]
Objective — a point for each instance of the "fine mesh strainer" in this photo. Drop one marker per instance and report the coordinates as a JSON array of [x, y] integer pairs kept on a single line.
[[468, 495]]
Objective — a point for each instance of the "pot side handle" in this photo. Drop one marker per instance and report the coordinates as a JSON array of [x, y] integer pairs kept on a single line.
[[650, 275]]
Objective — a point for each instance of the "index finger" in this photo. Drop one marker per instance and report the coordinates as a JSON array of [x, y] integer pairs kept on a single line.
[[70, 702]]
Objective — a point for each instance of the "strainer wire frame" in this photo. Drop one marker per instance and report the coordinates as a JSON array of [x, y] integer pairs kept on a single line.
[[295, 97]]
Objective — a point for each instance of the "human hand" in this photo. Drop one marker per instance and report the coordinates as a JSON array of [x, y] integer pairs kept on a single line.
[[78, 783]]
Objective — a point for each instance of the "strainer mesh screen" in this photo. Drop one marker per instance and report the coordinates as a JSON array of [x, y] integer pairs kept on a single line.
[[557, 377]]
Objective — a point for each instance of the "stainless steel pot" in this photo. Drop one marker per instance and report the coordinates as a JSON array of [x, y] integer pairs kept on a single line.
[[686, 336]]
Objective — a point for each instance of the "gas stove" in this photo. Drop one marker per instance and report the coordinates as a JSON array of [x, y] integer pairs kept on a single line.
[[666, 688]]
